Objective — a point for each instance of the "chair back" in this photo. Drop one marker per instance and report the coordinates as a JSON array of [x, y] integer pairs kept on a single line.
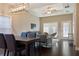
[[23, 34], [43, 38], [31, 35], [2, 41], [46, 33], [54, 34], [11, 43]]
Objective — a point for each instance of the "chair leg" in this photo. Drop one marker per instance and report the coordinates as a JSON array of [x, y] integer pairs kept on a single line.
[[4, 52], [40, 48], [15, 53], [46, 44], [8, 53], [28, 49], [34, 48], [20, 53]]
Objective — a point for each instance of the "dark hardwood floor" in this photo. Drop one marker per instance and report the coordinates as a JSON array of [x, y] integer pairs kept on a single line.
[[61, 48]]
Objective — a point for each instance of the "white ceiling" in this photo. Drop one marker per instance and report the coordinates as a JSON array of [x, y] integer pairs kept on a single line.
[[40, 9]]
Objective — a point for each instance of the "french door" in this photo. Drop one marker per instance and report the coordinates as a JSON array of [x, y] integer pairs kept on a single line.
[[63, 29], [66, 29]]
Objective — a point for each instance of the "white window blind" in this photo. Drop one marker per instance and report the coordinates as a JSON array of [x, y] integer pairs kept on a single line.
[[5, 22]]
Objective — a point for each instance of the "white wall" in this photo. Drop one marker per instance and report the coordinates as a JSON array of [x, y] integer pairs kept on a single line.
[[22, 22]]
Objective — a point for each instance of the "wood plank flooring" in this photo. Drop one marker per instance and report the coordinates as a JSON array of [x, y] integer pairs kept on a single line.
[[61, 48]]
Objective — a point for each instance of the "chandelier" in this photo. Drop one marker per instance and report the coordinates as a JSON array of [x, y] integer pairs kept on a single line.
[[49, 10], [19, 7]]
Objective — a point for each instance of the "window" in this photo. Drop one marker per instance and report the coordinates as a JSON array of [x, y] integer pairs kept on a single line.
[[5, 24], [50, 27]]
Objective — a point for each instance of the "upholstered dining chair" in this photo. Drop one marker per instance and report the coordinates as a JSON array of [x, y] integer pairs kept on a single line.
[[43, 40], [31, 35], [23, 34], [12, 45], [53, 35], [3, 43]]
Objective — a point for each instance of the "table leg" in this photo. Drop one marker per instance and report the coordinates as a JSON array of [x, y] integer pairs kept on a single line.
[[28, 50]]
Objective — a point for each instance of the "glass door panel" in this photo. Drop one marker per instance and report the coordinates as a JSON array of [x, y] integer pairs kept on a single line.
[[66, 26]]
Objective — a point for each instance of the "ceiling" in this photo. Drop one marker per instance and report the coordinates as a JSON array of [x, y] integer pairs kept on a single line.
[[40, 9]]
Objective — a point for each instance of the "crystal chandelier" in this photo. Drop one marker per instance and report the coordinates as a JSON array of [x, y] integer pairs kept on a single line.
[[20, 7]]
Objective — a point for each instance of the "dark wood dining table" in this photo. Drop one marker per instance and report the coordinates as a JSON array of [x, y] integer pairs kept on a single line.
[[27, 42]]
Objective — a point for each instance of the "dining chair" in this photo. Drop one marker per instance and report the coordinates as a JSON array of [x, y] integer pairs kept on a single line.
[[31, 35], [45, 33], [12, 45], [23, 34], [3, 43], [43, 40], [32, 45], [53, 35]]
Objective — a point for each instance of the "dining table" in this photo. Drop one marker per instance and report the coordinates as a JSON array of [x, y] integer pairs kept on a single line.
[[27, 42]]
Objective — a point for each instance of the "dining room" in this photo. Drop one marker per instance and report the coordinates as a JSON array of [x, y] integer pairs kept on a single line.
[[37, 29]]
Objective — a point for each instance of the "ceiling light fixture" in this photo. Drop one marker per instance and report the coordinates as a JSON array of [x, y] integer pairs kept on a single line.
[[49, 10], [19, 8]]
